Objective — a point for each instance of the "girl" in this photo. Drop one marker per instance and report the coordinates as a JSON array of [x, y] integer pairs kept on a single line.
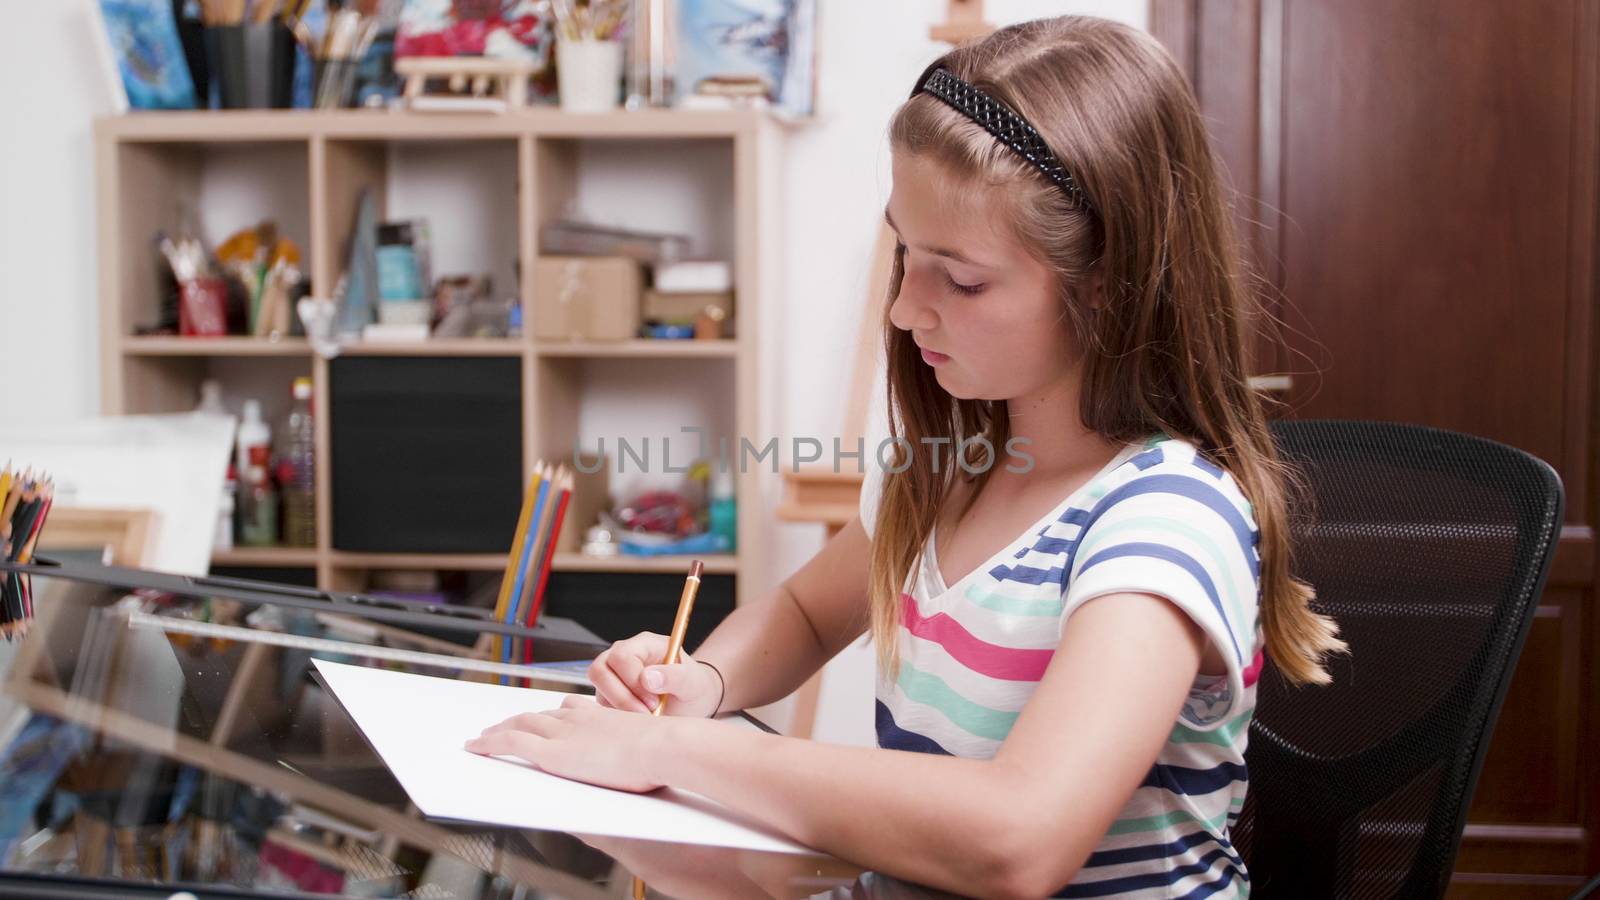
[[1077, 550]]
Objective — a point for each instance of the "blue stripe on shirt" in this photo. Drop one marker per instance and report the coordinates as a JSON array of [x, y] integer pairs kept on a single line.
[[1149, 458], [1143, 852], [1183, 780], [1029, 574], [1144, 881], [892, 737], [1178, 558], [1206, 889], [1184, 486]]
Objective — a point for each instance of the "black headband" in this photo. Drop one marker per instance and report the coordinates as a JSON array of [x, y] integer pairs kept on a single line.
[[1007, 126]]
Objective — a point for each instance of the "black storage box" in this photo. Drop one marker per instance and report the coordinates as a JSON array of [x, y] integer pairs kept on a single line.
[[426, 453]]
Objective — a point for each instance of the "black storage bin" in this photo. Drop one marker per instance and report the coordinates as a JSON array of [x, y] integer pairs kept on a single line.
[[426, 453], [617, 605]]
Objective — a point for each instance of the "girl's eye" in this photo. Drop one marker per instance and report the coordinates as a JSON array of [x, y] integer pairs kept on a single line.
[[967, 289]]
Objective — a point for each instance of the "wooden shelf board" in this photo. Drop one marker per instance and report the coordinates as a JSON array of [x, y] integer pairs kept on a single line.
[[214, 346], [285, 557], [640, 348], [827, 514], [466, 561], [222, 126], [716, 563], [438, 347]]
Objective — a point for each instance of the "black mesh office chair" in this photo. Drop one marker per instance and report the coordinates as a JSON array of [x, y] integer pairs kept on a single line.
[[1430, 549]]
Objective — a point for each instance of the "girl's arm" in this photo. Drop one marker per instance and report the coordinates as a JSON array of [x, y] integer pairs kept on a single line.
[[1021, 823], [764, 650]]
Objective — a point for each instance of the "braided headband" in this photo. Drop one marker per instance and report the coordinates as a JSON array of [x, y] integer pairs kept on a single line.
[[1008, 127]]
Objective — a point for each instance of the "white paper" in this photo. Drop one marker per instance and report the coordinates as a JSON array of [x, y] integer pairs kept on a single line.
[[418, 725], [171, 464]]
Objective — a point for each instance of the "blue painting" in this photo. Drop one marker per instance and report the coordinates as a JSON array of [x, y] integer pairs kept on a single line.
[[144, 42], [771, 40]]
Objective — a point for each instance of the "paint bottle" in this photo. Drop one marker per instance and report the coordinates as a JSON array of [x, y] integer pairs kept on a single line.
[[724, 512]]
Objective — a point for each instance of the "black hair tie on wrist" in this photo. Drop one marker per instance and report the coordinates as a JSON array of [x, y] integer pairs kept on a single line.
[[721, 693]]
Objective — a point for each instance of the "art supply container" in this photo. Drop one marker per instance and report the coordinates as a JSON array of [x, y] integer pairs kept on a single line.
[[590, 75], [253, 65]]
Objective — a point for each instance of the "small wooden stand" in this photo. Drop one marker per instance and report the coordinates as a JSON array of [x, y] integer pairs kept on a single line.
[[475, 77], [965, 23]]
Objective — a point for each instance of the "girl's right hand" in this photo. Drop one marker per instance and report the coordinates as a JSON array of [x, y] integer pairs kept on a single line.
[[629, 675]]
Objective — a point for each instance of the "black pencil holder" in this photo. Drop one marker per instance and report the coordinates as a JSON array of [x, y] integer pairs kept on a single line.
[[253, 65]]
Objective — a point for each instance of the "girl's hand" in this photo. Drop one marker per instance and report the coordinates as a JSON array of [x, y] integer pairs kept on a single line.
[[583, 741], [629, 676]]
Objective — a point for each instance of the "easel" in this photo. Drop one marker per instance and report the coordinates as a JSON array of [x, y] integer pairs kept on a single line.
[[820, 494]]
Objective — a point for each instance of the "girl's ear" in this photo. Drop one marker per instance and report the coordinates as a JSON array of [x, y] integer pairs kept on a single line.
[[1094, 292]]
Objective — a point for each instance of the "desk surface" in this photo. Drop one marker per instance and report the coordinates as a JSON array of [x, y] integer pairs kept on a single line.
[[147, 760]]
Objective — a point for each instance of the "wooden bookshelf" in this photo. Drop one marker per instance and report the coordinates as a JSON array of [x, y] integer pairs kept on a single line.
[[268, 557], [316, 163]]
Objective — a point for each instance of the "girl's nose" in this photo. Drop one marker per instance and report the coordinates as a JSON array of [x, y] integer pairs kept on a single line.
[[911, 311]]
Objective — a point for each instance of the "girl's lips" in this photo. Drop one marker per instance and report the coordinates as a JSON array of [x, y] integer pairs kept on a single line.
[[932, 358]]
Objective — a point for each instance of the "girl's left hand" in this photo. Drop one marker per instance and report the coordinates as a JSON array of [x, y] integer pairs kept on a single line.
[[581, 740]]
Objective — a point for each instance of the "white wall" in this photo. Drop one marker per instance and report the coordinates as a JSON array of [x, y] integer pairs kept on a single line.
[[51, 85]]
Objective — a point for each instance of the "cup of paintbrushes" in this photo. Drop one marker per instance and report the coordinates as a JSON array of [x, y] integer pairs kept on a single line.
[[253, 64], [335, 80]]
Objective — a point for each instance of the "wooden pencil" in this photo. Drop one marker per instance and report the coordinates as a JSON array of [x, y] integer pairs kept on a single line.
[[502, 606], [564, 483], [525, 558], [523, 599], [680, 625]]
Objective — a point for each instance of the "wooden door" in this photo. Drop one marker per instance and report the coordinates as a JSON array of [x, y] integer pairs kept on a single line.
[[1417, 186]]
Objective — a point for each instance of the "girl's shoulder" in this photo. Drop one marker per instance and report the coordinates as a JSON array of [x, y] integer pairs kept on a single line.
[[1171, 465]]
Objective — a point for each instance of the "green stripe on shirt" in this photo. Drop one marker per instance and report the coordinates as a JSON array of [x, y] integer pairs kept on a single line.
[[998, 601], [974, 718], [1166, 820]]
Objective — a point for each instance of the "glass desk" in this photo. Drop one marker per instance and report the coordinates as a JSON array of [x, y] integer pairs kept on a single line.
[[172, 738]]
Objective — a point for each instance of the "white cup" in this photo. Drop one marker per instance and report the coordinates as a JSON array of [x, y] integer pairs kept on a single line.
[[590, 75]]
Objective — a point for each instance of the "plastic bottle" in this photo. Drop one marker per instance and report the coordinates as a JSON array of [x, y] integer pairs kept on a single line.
[[253, 433], [297, 468], [211, 398], [724, 513], [211, 405], [223, 538], [258, 519]]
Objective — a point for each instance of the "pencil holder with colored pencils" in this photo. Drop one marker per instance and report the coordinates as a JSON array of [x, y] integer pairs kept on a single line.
[[27, 499], [544, 509]]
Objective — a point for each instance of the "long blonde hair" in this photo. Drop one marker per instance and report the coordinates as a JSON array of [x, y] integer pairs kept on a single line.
[[1166, 353]]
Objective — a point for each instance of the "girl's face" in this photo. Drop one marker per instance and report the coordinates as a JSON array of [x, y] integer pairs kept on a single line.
[[983, 310]]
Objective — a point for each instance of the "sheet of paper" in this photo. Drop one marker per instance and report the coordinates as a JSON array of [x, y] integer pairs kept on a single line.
[[418, 725], [172, 464]]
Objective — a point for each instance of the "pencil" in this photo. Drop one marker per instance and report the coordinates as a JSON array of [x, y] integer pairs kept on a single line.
[[564, 483], [11, 500], [519, 589], [502, 607], [680, 625]]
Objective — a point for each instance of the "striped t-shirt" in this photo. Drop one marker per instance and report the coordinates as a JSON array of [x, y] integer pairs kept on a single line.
[[1158, 519]]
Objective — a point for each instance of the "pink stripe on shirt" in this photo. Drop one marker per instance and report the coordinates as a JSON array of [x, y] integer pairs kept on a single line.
[[976, 654]]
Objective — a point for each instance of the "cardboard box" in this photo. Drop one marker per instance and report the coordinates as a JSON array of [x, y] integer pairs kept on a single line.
[[586, 298], [684, 307], [591, 495]]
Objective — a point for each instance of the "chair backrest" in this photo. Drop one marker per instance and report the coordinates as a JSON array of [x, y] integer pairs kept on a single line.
[[1430, 550]]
